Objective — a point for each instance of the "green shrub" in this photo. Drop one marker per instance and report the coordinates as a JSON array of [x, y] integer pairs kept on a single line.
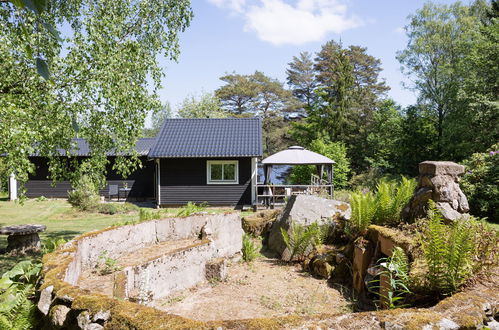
[[250, 249], [395, 269], [447, 251], [363, 210], [51, 244], [107, 265], [391, 198], [191, 208], [84, 196], [17, 290], [302, 237], [480, 184]]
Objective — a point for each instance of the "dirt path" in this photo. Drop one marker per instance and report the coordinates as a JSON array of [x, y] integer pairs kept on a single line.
[[264, 288]]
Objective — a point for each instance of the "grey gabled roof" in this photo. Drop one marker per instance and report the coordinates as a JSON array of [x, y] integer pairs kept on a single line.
[[82, 149], [225, 137]]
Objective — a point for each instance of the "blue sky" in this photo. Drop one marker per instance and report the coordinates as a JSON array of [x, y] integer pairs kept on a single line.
[[248, 35]]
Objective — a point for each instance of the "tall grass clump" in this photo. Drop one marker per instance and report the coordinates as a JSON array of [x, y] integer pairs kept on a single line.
[[391, 198], [148, 214], [250, 249], [363, 210], [447, 251], [191, 208], [300, 238]]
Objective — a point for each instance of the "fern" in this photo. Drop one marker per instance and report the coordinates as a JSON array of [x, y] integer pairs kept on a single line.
[[391, 197], [301, 238], [447, 251], [249, 250], [363, 211]]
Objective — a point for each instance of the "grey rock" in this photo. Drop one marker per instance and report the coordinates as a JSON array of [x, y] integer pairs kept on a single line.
[[493, 325], [440, 168], [101, 316], [448, 213], [45, 300], [58, 316], [305, 210], [83, 320]]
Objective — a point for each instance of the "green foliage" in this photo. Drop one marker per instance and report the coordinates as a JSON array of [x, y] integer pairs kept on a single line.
[[336, 151], [191, 208], [480, 183], [115, 208], [363, 211], [383, 207], [17, 290], [391, 198], [157, 119], [206, 105], [4, 175], [104, 78], [262, 96], [301, 238], [51, 244], [447, 251], [84, 196], [395, 271], [107, 265], [148, 214], [250, 249]]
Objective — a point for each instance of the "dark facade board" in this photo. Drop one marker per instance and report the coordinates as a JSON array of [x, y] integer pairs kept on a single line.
[[141, 181], [185, 180]]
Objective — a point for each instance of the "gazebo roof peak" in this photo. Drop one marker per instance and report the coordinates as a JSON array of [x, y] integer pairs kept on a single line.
[[296, 155]]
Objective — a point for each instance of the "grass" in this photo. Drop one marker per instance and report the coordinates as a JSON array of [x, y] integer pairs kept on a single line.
[[61, 219]]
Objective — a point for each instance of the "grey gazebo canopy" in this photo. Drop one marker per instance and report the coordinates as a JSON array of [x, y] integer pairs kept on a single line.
[[297, 155]]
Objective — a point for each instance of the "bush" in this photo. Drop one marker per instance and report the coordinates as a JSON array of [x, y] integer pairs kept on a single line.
[[480, 183], [250, 249], [84, 196], [363, 210], [17, 290], [302, 237]]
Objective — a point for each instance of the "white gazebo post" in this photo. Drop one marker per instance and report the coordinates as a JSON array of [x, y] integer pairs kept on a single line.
[[12, 188]]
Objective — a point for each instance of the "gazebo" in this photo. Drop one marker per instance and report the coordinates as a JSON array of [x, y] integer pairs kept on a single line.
[[296, 155]]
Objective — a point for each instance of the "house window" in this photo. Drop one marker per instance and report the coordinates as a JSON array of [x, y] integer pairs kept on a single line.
[[222, 171]]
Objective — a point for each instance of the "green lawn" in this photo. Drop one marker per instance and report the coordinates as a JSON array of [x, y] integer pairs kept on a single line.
[[61, 219]]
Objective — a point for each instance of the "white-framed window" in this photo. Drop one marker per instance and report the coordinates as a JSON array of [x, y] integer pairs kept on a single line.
[[222, 171]]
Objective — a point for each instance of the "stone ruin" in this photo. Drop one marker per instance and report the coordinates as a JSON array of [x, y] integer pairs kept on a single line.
[[438, 181]]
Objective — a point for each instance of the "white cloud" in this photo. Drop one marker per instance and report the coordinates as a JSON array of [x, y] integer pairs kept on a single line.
[[300, 21]]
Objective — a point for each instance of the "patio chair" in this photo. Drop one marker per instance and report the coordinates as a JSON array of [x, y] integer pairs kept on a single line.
[[113, 191]]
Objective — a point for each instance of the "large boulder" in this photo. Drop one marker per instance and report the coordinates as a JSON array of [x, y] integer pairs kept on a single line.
[[438, 181], [305, 210]]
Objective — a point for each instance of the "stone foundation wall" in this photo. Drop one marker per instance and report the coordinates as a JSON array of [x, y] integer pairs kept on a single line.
[[66, 306], [180, 269]]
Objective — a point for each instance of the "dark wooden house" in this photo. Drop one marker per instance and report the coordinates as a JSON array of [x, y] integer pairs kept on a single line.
[[198, 160]]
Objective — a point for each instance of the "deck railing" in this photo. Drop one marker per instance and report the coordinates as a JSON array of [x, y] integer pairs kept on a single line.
[[270, 195]]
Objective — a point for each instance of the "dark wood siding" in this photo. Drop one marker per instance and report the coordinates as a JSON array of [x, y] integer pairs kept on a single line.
[[141, 181], [184, 180]]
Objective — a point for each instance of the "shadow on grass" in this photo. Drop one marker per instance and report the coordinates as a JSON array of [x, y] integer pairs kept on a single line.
[[65, 234]]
